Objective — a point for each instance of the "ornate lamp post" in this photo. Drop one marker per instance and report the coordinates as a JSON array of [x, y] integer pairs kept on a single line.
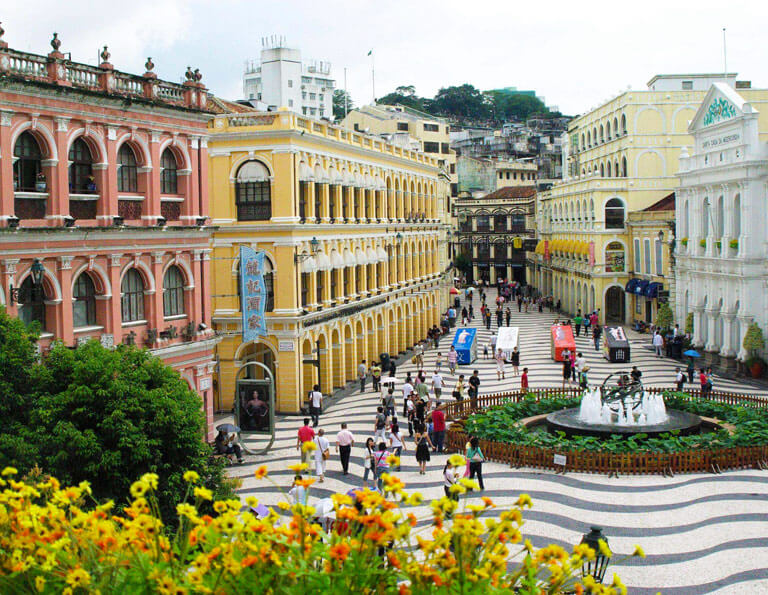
[[36, 273], [599, 564]]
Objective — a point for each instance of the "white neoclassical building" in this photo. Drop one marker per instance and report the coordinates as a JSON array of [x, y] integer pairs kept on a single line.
[[722, 222]]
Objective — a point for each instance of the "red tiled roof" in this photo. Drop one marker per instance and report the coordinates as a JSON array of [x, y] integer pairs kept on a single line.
[[223, 106], [665, 204], [512, 192]]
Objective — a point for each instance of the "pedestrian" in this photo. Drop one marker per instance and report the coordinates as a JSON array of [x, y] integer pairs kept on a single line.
[[679, 379], [557, 307], [396, 442], [392, 368], [475, 457], [474, 387], [369, 465], [500, 365], [583, 380], [452, 358], [486, 349], [658, 343], [507, 316], [438, 362], [703, 382], [572, 357], [380, 426], [422, 390], [345, 440], [499, 316], [362, 373], [450, 477], [464, 316], [376, 376], [322, 452], [382, 465], [515, 357], [577, 320], [438, 428], [410, 414], [389, 402], [596, 332], [423, 446], [566, 368], [407, 387], [691, 370], [226, 445], [436, 333], [488, 320], [315, 405], [306, 434], [437, 384], [519, 304], [458, 390], [636, 375], [421, 409], [298, 493], [418, 356], [524, 380], [471, 311]]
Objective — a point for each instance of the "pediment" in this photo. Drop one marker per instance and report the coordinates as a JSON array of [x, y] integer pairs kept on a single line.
[[721, 104]]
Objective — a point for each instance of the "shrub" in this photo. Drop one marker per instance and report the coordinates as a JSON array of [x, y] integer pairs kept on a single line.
[[664, 317], [99, 415], [753, 341], [734, 244], [52, 539], [689, 323]]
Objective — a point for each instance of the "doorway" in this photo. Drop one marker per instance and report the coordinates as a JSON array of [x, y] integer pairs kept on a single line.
[[614, 305]]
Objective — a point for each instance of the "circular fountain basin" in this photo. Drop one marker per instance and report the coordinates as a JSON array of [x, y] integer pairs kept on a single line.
[[567, 420]]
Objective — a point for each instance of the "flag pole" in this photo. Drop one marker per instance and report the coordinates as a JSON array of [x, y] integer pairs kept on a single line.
[[725, 61], [346, 95]]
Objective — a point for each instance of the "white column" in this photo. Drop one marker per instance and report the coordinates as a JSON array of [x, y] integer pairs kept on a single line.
[[726, 349], [698, 326], [711, 317]]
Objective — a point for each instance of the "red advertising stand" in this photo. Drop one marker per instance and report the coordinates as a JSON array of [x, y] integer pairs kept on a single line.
[[562, 339]]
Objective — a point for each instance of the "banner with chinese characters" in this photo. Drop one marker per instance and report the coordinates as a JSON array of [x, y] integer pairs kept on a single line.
[[253, 293]]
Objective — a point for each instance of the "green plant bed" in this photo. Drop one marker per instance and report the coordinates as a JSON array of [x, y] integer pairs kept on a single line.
[[498, 424]]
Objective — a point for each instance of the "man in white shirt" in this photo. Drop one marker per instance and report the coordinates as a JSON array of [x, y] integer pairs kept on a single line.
[[345, 440], [580, 362], [658, 343], [407, 390], [315, 405], [437, 384]]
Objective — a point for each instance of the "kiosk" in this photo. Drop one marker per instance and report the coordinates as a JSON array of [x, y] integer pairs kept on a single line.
[[562, 338], [465, 343], [507, 340], [615, 344]]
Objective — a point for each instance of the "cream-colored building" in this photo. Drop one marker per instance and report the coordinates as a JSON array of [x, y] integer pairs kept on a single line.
[[619, 157], [351, 230]]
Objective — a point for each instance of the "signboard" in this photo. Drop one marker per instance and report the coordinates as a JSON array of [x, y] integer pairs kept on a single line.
[[560, 460], [285, 346], [252, 406], [253, 293]]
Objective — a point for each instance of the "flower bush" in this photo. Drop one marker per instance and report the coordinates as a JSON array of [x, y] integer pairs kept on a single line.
[[55, 539]]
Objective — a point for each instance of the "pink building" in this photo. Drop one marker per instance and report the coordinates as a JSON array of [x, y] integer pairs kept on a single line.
[[103, 208]]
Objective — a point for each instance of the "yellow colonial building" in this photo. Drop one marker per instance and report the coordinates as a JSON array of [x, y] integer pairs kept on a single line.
[[619, 158], [350, 228]]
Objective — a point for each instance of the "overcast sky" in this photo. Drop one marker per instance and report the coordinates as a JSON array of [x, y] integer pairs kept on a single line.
[[574, 54]]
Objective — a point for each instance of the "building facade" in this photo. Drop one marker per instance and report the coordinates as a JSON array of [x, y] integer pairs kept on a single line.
[[494, 233], [103, 208], [618, 158], [480, 177], [350, 226], [721, 222], [281, 79]]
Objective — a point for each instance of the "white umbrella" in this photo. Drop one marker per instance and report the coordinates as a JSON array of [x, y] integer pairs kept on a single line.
[[388, 380]]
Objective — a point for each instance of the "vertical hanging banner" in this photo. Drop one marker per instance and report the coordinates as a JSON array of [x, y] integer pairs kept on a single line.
[[253, 293], [591, 254]]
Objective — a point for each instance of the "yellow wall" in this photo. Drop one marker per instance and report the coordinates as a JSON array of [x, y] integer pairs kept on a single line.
[[390, 199]]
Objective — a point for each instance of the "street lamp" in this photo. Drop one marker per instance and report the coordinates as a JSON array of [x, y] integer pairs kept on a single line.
[[36, 274], [599, 564], [314, 247]]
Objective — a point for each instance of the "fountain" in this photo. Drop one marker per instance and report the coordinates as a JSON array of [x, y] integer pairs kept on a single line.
[[623, 408]]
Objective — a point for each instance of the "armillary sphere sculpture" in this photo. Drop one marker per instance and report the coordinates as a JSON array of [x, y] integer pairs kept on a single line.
[[620, 387]]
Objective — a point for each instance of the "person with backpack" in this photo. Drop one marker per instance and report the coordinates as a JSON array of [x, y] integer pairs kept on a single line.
[[475, 458], [380, 425], [382, 466]]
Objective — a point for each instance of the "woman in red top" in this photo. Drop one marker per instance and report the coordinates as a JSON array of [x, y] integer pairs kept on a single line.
[[524, 380]]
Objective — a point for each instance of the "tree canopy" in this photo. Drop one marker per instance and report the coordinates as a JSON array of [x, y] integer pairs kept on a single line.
[[339, 110], [99, 415]]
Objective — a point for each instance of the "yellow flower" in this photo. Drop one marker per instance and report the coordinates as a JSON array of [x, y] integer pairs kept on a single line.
[[638, 552], [39, 584], [203, 493], [139, 488], [186, 510], [470, 484], [8, 471], [252, 501], [261, 472], [150, 479], [191, 476], [414, 499], [219, 506], [78, 577], [85, 487], [309, 447], [283, 505], [393, 461], [604, 549], [618, 585], [298, 468], [457, 460], [524, 500]]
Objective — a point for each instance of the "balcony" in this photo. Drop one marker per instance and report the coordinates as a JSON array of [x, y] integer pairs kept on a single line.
[[30, 205]]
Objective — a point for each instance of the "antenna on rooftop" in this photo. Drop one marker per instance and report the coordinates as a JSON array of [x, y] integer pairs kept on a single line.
[[725, 61]]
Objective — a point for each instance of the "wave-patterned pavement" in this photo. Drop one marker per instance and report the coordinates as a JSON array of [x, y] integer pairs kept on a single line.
[[701, 533]]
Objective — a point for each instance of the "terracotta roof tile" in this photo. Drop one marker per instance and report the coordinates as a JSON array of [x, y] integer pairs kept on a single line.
[[512, 192]]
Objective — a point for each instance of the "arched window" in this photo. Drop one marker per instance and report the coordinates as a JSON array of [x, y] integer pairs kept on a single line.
[[483, 222], [173, 292], [132, 301], [169, 183], [126, 170], [31, 303], [614, 258], [602, 170], [614, 214], [616, 127], [608, 130], [602, 134], [623, 124], [623, 167], [83, 302], [589, 139], [252, 192], [26, 167], [608, 169], [81, 180], [499, 222], [736, 217]]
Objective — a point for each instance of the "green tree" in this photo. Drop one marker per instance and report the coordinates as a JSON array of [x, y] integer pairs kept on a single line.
[[339, 98], [664, 317], [403, 95], [463, 101], [463, 263], [103, 416]]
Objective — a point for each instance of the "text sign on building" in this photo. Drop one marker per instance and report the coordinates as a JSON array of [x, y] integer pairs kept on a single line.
[[253, 293], [285, 346]]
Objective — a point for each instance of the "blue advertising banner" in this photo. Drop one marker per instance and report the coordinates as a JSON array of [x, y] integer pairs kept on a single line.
[[253, 293], [465, 345]]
